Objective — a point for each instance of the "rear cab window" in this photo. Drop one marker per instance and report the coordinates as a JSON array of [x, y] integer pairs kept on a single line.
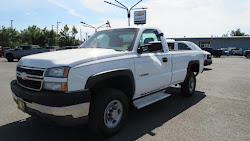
[[171, 46]]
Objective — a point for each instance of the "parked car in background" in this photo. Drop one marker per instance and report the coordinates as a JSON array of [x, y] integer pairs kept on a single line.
[[237, 51], [3, 49], [52, 48], [214, 52], [247, 53], [226, 52], [70, 47], [186, 45], [23, 50]]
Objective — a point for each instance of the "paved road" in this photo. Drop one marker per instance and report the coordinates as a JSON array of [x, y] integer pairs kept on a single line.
[[219, 110]]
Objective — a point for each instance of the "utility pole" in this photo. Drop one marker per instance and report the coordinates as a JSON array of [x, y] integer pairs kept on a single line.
[[126, 8], [81, 34], [52, 40], [57, 23], [11, 32]]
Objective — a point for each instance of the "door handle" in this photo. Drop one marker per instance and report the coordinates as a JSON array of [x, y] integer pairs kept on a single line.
[[165, 59]]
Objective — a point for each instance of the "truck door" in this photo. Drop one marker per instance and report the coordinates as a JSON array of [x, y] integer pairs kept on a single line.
[[18, 52], [152, 69], [25, 51]]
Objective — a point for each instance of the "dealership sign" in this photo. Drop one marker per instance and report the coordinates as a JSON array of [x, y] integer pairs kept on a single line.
[[140, 17]]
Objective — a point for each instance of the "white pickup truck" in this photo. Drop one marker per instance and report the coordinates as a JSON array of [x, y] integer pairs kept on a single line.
[[113, 70]]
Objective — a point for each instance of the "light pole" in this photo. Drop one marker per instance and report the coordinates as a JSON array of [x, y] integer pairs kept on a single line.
[[52, 27], [11, 31], [57, 23], [126, 8], [87, 25]]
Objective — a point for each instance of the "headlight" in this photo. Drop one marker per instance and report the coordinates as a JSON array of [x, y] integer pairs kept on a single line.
[[57, 72], [55, 86]]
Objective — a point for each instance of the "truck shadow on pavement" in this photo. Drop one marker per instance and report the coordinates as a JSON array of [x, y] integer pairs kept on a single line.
[[207, 69], [140, 122]]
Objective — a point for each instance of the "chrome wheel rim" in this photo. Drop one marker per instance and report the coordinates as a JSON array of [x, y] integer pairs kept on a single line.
[[113, 114], [191, 84]]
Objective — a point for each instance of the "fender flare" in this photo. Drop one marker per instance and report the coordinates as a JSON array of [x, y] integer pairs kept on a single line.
[[189, 67], [94, 79]]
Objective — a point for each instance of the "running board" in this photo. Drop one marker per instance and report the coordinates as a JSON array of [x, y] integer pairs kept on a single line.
[[145, 101]]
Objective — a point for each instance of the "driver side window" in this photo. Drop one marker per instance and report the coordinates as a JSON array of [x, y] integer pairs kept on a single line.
[[148, 36]]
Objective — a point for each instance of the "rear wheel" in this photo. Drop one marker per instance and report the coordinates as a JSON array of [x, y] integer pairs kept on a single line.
[[188, 86], [108, 111], [10, 57]]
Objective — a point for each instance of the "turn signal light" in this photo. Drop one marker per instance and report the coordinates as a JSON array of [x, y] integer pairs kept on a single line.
[[64, 87]]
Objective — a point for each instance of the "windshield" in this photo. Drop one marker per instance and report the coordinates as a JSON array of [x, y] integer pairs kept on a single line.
[[193, 46], [117, 39]]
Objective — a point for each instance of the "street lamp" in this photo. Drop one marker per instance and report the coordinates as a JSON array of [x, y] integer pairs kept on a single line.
[[126, 8], [57, 23], [87, 25]]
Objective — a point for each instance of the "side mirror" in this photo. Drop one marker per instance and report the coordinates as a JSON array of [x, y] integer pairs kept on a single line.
[[153, 46], [161, 34]]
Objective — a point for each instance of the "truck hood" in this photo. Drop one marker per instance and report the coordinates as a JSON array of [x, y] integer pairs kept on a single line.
[[207, 53], [69, 57]]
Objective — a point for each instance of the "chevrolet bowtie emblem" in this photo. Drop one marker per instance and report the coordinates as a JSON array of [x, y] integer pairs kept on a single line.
[[23, 75], [139, 14]]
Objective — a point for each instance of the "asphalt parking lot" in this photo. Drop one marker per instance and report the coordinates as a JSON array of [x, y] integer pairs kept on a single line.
[[219, 110]]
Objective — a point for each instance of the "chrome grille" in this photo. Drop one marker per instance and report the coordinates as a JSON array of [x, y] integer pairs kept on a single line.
[[30, 78]]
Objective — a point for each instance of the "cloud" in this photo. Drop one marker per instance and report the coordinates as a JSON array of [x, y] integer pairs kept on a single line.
[[99, 5], [195, 18], [27, 13], [64, 6]]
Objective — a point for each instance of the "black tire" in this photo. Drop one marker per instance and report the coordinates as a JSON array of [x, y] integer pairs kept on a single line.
[[0, 55], [99, 111], [188, 86], [248, 56], [10, 57]]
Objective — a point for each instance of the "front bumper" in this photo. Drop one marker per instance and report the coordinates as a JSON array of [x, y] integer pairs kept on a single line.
[[52, 104], [208, 62]]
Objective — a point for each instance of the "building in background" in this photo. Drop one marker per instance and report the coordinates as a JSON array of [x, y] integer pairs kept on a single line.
[[241, 42]]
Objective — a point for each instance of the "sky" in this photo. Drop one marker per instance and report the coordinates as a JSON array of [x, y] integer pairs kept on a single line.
[[176, 18]]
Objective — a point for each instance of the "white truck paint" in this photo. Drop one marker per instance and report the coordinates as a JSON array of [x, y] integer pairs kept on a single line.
[[130, 62]]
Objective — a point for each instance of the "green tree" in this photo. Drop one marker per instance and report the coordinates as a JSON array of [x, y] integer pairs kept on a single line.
[[6, 39], [238, 33], [65, 38]]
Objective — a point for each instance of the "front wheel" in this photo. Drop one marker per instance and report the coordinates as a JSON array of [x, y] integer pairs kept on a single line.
[[10, 58], [108, 111], [248, 56], [188, 86]]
